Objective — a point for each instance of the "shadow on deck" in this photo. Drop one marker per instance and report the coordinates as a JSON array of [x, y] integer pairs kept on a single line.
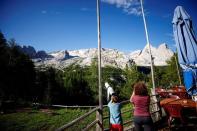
[[162, 125]]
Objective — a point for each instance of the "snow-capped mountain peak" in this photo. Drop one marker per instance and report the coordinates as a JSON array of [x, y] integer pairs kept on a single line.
[[112, 57]]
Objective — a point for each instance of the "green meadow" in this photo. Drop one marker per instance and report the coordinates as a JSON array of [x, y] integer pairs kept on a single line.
[[29, 119]]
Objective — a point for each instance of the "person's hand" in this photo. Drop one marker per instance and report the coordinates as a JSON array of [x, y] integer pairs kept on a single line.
[[133, 93]]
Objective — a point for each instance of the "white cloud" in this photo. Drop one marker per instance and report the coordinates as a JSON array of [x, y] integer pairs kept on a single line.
[[50, 12], [128, 6], [84, 9], [167, 16], [57, 12], [43, 11], [171, 35]]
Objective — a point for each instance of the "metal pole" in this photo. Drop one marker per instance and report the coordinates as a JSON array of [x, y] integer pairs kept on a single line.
[[177, 69], [100, 112], [147, 40]]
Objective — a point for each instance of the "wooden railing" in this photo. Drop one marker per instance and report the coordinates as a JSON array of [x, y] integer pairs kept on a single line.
[[123, 111], [66, 126], [96, 121]]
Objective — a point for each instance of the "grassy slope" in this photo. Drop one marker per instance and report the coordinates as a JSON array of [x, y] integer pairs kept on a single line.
[[38, 120], [34, 120]]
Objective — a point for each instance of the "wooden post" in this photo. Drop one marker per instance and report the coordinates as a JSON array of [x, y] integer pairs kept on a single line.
[[100, 111], [154, 108], [177, 67], [99, 126]]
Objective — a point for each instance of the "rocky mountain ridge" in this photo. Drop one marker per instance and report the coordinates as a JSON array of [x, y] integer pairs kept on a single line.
[[112, 57]]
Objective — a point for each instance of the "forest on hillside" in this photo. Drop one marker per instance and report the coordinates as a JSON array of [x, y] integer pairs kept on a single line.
[[23, 83]]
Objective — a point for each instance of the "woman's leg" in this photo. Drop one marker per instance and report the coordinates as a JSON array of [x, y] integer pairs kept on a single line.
[[148, 124], [148, 128], [138, 123]]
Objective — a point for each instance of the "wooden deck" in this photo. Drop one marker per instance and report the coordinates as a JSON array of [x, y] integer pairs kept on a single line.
[[191, 125], [159, 116], [162, 125]]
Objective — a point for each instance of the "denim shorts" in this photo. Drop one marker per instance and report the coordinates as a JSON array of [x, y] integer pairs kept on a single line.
[[143, 119], [143, 123]]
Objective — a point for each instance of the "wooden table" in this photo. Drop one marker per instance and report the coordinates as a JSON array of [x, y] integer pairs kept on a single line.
[[168, 93], [175, 108], [183, 102]]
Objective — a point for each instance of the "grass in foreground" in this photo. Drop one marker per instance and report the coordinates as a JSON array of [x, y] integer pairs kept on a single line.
[[34, 120], [50, 119]]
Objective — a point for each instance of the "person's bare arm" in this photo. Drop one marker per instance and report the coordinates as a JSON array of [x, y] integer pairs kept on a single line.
[[132, 96]]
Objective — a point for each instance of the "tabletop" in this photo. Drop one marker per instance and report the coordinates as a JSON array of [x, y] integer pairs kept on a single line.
[[180, 92], [183, 102]]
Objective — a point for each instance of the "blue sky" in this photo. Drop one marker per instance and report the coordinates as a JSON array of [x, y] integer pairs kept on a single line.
[[52, 25]]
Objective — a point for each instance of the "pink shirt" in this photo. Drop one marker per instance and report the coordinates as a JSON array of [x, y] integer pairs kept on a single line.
[[141, 105]]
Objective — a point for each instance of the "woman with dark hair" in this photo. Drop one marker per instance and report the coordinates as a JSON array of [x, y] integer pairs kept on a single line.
[[141, 100]]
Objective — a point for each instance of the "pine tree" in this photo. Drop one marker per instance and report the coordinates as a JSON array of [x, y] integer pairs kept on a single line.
[[171, 77]]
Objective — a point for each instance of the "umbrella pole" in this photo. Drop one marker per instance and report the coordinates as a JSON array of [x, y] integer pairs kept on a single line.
[[147, 40], [178, 73]]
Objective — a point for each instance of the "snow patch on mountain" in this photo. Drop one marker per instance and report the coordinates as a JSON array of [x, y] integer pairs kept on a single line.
[[111, 57], [160, 56]]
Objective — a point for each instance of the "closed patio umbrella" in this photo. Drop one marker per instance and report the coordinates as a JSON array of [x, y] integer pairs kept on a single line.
[[186, 43]]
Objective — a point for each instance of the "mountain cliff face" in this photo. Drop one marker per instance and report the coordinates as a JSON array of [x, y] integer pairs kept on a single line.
[[31, 52], [160, 55], [112, 57]]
